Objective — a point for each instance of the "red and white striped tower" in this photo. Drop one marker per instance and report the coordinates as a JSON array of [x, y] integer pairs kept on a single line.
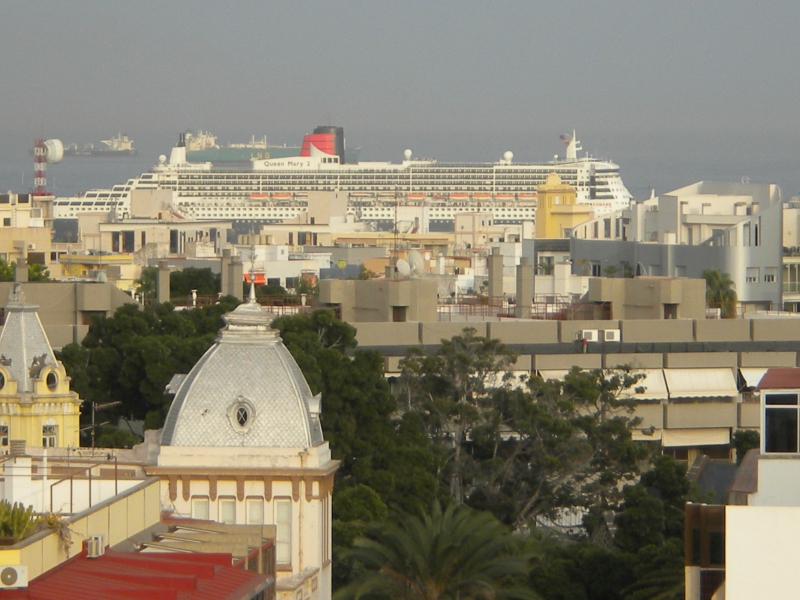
[[39, 168]]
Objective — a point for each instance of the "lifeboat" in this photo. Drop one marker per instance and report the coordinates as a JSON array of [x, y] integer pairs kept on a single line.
[[282, 196], [440, 196], [459, 196], [415, 196], [527, 196], [258, 196], [504, 196], [481, 196]]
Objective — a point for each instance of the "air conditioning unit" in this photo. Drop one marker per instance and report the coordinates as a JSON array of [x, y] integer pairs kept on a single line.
[[13, 576], [590, 335], [611, 335], [31, 246], [95, 546]]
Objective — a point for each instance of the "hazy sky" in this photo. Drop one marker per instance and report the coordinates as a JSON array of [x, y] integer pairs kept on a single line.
[[644, 82]]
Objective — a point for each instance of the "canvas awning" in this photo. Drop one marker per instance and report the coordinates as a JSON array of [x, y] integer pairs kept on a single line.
[[651, 387], [701, 383], [557, 374], [752, 375], [696, 437]]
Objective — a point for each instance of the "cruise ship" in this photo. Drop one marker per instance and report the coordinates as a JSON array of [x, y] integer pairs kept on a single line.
[[276, 190]]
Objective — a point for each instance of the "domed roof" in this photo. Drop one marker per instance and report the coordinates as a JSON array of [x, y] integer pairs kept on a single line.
[[246, 390], [24, 348], [553, 179]]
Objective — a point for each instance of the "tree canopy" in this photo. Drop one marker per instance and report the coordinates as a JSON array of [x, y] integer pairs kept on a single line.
[[720, 292], [526, 449], [447, 553], [132, 356], [458, 443]]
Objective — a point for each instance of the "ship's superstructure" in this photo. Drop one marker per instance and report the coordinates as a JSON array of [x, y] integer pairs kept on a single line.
[[120, 145], [202, 146], [277, 189]]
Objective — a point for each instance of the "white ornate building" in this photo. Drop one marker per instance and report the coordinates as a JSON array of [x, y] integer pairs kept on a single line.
[[242, 443]]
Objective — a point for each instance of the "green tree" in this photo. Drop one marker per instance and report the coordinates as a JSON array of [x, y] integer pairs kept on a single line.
[[132, 355], [720, 292], [450, 553], [181, 283], [357, 411], [38, 273], [452, 392], [745, 440], [114, 437], [6, 270], [354, 508], [557, 445], [147, 285], [651, 527]]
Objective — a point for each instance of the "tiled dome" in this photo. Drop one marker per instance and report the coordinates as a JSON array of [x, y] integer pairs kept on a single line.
[[246, 390]]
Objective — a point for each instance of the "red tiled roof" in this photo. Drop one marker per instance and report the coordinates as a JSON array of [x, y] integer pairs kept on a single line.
[[151, 576], [780, 379]]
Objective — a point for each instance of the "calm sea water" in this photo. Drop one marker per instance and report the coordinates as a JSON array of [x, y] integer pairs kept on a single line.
[[641, 169]]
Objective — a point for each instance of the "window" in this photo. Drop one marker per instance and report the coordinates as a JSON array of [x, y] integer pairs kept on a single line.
[[752, 274], [52, 381], [49, 435], [200, 508], [770, 274], [227, 510], [780, 422], [283, 538], [255, 511], [4, 435], [596, 271], [6, 222]]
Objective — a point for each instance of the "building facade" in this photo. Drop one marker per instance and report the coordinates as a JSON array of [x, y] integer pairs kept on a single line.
[[242, 443]]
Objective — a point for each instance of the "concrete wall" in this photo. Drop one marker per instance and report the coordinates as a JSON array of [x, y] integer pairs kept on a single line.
[[645, 297], [760, 551], [648, 330], [66, 308], [117, 519], [691, 415], [375, 300]]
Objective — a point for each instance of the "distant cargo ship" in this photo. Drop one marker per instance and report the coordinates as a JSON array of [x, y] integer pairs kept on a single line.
[[121, 145], [201, 146]]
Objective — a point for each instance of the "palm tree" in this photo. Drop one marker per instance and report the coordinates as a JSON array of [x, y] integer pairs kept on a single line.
[[720, 292], [447, 554]]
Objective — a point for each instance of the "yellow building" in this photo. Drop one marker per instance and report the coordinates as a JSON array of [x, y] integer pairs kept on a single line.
[[36, 404], [557, 211]]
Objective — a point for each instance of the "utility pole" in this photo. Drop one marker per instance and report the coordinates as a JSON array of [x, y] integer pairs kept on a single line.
[[95, 408]]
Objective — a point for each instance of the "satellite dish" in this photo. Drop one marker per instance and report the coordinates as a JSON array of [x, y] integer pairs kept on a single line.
[[53, 151], [416, 262], [403, 268]]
